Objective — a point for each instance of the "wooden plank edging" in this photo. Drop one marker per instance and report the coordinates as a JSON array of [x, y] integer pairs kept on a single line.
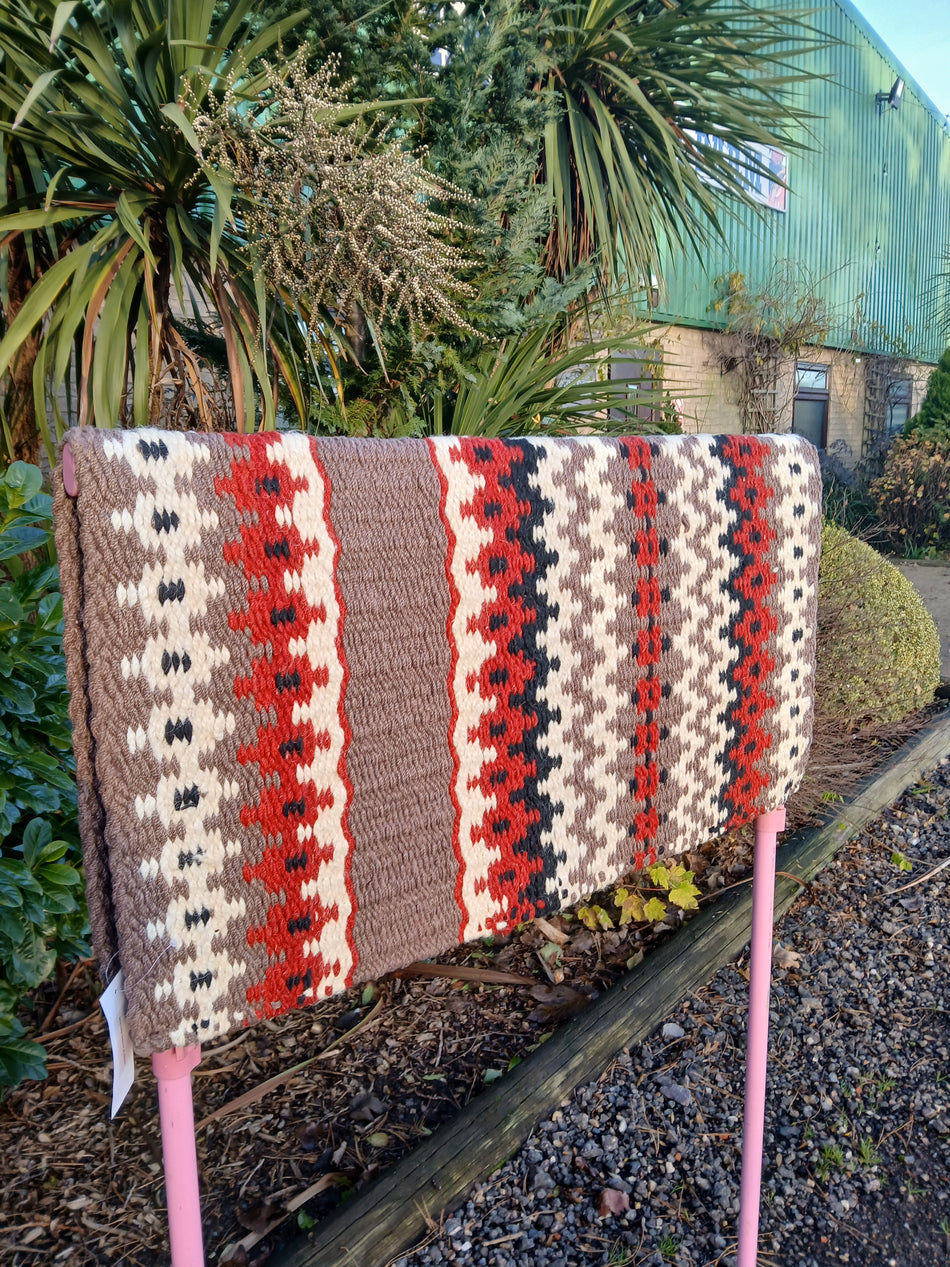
[[379, 1223]]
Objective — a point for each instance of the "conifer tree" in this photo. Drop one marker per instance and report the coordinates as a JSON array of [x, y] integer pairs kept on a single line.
[[935, 411]]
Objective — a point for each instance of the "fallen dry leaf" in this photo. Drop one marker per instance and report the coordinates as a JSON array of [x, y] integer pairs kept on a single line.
[[783, 957], [258, 1216], [558, 1002], [612, 1202], [549, 957], [366, 1107], [234, 1255], [309, 1135]]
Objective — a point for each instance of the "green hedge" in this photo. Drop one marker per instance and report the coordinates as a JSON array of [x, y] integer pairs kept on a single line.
[[42, 907], [878, 647]]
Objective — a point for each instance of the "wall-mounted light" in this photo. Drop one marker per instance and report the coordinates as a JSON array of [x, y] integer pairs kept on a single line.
[[892, 98]]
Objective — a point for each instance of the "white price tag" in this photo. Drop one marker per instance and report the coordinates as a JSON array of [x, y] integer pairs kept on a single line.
[[112, 1002]]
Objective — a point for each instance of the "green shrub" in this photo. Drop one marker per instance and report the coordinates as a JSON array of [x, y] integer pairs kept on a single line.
[[912, 494], [935, 411], [845, 496], [42, 911], [878, 648]]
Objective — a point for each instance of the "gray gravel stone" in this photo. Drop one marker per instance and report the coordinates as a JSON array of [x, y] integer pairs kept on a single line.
[[857, 1133]]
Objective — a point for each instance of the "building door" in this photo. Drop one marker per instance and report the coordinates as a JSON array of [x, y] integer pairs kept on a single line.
[[810, 404]]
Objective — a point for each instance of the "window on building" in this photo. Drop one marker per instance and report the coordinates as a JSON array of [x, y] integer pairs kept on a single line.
[[900, 393], [810, 404], [641, 367]]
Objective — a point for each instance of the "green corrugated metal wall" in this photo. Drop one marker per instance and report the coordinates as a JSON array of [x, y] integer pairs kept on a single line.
[[868, 210]]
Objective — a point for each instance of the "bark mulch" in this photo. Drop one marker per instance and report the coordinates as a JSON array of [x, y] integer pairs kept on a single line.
[[293, 1113]]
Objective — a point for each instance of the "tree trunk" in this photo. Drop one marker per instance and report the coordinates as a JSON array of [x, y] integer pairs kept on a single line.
[[18, 384], [356, 331]]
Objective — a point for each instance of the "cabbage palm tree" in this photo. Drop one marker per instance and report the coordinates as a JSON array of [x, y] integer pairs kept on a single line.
[[103, 91], [641, 87]]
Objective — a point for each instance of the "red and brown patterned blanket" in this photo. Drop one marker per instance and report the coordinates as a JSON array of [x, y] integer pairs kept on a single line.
[[341, 704]]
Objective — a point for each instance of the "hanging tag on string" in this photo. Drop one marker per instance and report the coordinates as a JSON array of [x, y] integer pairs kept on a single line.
[[112, 1002]]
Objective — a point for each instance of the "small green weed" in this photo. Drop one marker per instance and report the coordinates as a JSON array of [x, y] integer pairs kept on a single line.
[[867, 1152], [620, 1256], [901, 862], [648, 902], [830, 1158], [594, 917], [668, 1246]]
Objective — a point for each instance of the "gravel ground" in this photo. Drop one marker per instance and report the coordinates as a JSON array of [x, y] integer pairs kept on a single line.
[[642, 1166]]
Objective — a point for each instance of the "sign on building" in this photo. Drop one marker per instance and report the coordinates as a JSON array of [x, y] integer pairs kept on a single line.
[[766, 186]]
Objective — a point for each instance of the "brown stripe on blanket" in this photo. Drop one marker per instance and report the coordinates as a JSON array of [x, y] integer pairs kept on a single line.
[[122, 704], [600, 632], [392, 578], [671, 713], [795, 551], [99, 898]]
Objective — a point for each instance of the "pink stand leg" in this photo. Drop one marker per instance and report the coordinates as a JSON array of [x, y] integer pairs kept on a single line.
[[767, 827], [176, 1110]]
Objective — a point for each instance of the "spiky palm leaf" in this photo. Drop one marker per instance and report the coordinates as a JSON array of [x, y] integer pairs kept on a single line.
[[639, 83], [541, 381], [22, 263], [104, 93]]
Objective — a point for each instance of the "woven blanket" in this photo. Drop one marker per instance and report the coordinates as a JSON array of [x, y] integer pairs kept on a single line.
[[341, 704]]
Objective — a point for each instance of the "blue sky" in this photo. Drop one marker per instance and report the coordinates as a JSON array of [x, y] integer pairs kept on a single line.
[[918, 33]]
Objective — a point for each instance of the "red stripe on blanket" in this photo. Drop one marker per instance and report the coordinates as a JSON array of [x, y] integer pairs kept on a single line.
[[500, 567], [646, 547], [752, 585], [271, 548]]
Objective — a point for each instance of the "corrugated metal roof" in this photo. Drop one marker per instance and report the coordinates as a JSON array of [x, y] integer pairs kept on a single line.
[[868, 218]]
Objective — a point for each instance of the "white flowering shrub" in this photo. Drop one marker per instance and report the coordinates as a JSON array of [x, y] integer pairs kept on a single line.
[[337, 212]]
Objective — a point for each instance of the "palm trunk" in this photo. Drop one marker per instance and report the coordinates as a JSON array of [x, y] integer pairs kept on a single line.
[[18, 385], [157, 350], [356, 331]]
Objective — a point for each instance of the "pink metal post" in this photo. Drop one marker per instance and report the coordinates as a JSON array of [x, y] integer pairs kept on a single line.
[[176, 1110], [767, 827]]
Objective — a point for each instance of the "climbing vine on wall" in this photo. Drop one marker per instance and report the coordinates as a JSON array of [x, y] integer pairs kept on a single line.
[[764, 328]]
